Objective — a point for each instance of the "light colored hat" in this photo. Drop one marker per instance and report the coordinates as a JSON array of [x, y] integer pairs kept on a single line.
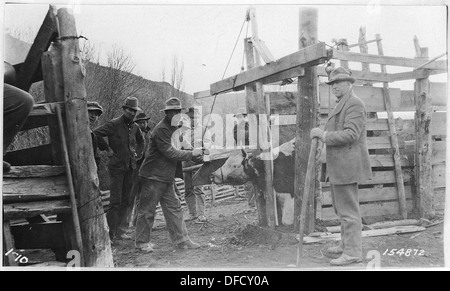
[[132, 103], [94, 106], [173, 103], [340, 74]]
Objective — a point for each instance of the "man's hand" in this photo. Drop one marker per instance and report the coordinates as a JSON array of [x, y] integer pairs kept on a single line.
[[316, 132], [197, 153]]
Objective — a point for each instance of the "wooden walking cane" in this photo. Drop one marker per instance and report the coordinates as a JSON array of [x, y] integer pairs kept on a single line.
[[309, 175]]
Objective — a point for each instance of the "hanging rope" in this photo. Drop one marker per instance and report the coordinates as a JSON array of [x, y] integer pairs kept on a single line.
[[225, 71]]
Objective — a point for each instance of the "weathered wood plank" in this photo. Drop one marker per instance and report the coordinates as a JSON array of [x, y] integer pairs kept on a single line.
[[386, 60], [370, 194], [32, 65], [307, 107], [439, 123], [312, 55], [38, 171], [34, 189], [30, 209], [393, 135], [439, 199], [371, 96], [381, 177], [370, 209], [439, 152], [93, 224], [388, 161], [381, 142], [365, 233], [54, 92], [424, 180], [438, 176]]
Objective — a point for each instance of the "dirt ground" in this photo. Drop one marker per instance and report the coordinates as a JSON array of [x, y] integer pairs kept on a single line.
[[231, 240]]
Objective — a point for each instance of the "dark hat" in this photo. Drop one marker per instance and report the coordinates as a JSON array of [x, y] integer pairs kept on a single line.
[[132, 103], [141, 116], [173, 103], [192, 110], [94, 106], [340, 74]]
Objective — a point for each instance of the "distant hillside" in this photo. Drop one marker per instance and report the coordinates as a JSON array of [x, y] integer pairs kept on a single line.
[[100, 85]]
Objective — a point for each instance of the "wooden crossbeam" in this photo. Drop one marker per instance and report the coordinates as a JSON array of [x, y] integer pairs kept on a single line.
[[27, 71], [309, 56], [387, 60], [263, 50]]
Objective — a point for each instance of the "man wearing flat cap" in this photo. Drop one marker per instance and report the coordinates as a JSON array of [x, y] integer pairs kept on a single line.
[[161, 165], [126, 141], [142, 121], [348, 163], [98, 143]]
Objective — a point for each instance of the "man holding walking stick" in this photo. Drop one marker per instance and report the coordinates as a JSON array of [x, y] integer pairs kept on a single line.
[[348, 163]]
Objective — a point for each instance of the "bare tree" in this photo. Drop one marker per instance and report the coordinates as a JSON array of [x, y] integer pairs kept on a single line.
[[177, 76]]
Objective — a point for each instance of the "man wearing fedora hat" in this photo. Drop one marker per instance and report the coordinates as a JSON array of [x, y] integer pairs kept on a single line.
[[348, 163], [161, 165], [126, 141], [241, 128], [142, 121]]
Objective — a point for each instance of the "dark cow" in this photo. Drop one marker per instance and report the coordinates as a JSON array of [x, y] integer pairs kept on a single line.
[[242, 168]]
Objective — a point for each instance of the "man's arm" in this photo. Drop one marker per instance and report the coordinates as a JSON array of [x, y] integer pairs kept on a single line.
[[355, 118], [105, 130], [163, 143]]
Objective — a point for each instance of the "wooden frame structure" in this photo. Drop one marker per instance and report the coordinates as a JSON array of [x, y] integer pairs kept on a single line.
[[64, 183], [394, 188]]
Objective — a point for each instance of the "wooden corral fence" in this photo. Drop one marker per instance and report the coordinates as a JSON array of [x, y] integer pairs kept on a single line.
[[213, 193], [380, 196], [58, 179], [407, 157]]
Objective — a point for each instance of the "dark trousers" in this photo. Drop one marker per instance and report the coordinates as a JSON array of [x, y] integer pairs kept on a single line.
[[152, 192], [134, 195], [346, 206], [17, 105], [193, 195], [120, 188]]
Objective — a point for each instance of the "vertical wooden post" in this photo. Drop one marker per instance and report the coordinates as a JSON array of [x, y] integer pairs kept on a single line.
[[422, 100], [97, 245], [363, 48], [54, 92], [269, 193], [307, 105], [253, 107], [343, 46], [394, 139]]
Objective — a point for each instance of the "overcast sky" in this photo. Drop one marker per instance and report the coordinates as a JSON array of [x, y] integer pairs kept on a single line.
[[203, 36]]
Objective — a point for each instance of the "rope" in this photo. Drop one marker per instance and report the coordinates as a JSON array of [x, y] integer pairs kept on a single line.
[[223, 76]]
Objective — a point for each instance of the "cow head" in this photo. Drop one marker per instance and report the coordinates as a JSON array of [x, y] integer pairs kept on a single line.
[[232, 172]]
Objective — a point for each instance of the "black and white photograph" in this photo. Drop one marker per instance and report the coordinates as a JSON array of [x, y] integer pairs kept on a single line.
[[207, 135]]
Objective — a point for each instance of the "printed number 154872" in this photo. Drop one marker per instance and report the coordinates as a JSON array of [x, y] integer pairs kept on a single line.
[[401, 252]]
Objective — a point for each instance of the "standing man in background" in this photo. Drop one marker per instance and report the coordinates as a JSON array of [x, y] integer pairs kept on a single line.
[[126, 140], [142, 121], [98, 143], [348, 163], [198, 137]]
